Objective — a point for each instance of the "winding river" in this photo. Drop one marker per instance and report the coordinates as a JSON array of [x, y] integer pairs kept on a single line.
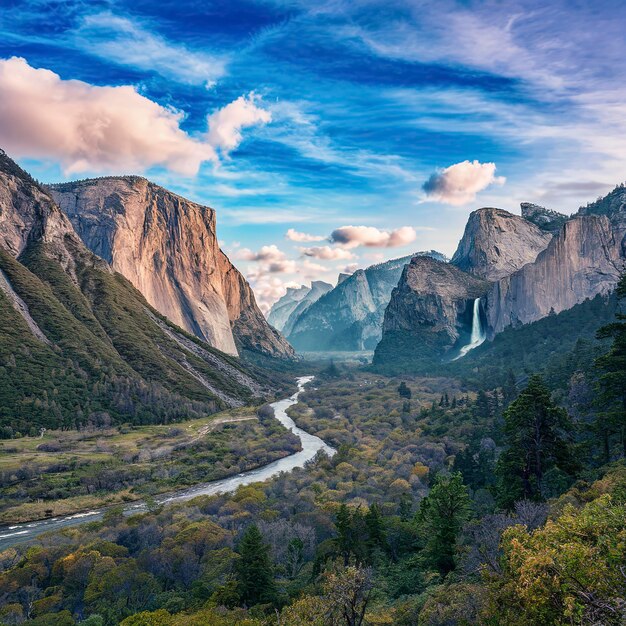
[[311, 445]]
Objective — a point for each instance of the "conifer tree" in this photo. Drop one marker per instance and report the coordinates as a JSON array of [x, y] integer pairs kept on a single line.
[[536, 434], [612, 379], [440, 519], [254, 569]]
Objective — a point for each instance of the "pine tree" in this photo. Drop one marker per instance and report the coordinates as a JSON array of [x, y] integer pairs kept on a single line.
[[612, 380], [254, 569], [376, 533], [440, 519], [536, 437]]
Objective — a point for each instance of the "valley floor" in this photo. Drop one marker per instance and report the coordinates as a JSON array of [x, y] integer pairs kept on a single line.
[[65, 472]]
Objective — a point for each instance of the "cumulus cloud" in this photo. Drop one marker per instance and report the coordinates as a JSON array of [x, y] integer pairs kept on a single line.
[[102, 129], [326, 253], [459, 183], [265, 253], [350, 268], [128, 43], [226, 124], [354, 236], [294, 235]]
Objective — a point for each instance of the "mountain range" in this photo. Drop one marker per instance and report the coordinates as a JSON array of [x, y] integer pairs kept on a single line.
[[349, 316], [517, 269]]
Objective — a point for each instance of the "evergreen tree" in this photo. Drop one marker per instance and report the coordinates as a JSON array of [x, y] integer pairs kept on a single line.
[[509, 388], [254, 569], [440, 519], [612, 380], [376, 533], [536, 438]]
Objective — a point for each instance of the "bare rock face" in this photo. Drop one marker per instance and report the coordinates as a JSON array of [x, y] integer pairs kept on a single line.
[[496, 243], [583, 260], [318, 289], [166, 247], [429, 312]]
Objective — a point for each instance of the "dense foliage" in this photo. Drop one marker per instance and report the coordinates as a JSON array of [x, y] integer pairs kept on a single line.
[[446, 503]]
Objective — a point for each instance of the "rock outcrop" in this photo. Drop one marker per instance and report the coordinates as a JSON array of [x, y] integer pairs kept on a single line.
[[496, 243], [350, 317], [430, 312], [167, 248], [548, 220]]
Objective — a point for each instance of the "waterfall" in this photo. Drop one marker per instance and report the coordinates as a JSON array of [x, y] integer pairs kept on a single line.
[[478, 335]]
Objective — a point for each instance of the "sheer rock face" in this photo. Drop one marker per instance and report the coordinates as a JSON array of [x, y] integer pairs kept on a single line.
[[29, 215], [583, 260], [166, 247], [431, 308], [496, 243], [350, 316]]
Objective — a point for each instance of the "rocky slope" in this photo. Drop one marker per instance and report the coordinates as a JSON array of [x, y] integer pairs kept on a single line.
[[79, 344], [350, 316], [167, 248], [496, 243], [548, 220], [430, 311]]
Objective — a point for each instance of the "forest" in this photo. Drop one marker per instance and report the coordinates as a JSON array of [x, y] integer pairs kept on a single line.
[[448, 502]]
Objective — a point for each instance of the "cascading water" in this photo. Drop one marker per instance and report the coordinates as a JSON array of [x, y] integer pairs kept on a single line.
[[478, 335]]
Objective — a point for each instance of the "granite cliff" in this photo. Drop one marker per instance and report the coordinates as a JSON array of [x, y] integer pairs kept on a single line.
[[167, 248], [496, 243], [430, 311]]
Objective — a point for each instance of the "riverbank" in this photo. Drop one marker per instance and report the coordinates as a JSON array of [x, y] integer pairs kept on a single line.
[[310, 446], [69, 472]]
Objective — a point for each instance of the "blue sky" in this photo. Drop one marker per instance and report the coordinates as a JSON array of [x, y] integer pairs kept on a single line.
[[396, 117]]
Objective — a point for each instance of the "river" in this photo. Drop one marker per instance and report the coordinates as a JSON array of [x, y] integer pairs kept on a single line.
[[311, 445]]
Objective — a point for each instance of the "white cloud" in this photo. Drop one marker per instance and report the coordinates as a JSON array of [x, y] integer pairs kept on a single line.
[[350, 268], [128, 43], [294, 235], [226, 124], [326, 253], [459, 183], [313, 269], [354, 236], [88, 128], [271, 254]]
